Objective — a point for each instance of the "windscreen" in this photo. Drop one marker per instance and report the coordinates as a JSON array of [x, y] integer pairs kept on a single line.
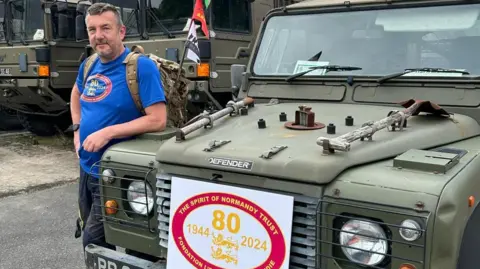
[[380, 42], [27, 19]]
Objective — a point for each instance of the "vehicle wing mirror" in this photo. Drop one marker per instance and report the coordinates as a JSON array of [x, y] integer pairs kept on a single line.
[[236, 75]]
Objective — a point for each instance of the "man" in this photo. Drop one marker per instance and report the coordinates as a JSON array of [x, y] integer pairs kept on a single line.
[[104, 112]]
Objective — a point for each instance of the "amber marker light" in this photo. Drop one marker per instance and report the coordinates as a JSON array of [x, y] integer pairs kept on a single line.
[[111, 207], [471, 201], [407, 266], [203, 70], [44, 70]]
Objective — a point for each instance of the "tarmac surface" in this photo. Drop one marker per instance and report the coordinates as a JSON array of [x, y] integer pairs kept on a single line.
[[37, 230]]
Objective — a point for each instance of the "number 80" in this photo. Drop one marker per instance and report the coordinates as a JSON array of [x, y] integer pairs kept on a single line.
[[232, 223]]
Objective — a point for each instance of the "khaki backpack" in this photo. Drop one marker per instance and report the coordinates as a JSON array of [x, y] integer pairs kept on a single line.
[[175, 91]]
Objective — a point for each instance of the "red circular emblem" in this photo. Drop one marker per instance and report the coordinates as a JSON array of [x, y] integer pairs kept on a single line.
[[278, 248], [97, 88]]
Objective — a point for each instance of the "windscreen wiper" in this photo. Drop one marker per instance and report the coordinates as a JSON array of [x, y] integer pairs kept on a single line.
[[326, 67], [425, 69]]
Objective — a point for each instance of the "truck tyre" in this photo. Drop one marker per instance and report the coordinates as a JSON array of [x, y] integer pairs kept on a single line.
[[9, 120], [44, 125]]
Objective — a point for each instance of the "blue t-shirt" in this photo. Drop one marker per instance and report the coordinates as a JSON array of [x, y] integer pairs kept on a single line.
[[105, 100]]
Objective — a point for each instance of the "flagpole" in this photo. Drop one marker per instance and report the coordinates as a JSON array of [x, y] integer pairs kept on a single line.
[[185, 47], [183, 57]]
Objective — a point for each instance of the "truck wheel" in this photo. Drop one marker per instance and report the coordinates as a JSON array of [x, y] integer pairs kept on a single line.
[[9, 120], [44, 125]]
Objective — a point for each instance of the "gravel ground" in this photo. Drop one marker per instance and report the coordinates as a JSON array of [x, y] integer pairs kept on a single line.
[[29, 162]]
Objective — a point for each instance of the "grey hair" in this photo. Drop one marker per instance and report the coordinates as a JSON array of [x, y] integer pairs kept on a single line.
[[99, 8]]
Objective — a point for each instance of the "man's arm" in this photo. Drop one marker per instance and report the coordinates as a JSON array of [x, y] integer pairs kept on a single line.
[[77, 89], [155, 120], [75, 113], [75, 104]]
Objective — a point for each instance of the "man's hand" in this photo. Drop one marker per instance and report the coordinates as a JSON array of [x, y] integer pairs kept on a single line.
[[97, 140]]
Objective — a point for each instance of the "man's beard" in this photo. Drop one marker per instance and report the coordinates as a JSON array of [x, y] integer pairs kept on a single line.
[[101, 42]]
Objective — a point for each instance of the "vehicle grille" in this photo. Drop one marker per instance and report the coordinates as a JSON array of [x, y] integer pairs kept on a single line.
[[303, 245]]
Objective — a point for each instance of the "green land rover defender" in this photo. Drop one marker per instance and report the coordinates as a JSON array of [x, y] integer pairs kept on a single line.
[[354, 142]]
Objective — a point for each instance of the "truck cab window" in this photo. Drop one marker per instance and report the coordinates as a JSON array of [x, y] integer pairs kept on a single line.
[[231, 15], [26, 19], [2, 22], [130, 18], [172, 14]]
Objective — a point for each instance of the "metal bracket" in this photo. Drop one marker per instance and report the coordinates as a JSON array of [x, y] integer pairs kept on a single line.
[[235, 108], [209, 125], [370, 124], [273, 151], [401, 124], [216, 144]]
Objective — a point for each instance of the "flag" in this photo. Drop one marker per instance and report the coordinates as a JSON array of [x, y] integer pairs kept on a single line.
[[207, 3], [193, 52], [199, 15]]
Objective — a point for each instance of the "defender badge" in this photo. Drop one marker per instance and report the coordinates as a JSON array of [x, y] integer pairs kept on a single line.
[[231, 163]]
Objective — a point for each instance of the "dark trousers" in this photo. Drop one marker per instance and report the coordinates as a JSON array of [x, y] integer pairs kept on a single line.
[[90, 212]]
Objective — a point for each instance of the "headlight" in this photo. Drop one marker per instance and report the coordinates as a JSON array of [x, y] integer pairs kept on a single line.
[[108, 176], [370, 238], [409, 234], [137, 198]]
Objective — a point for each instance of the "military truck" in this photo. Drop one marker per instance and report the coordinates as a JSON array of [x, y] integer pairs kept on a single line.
[[354, 143], [39, 58], [161, 28]]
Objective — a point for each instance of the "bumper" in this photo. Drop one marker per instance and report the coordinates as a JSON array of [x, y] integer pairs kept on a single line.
[[97, 257]]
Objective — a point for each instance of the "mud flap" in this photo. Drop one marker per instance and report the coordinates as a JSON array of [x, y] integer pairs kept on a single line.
[[97, 257]]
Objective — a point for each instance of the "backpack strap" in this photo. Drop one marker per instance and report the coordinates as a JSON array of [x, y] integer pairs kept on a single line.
[[88, 64], [132, 82]]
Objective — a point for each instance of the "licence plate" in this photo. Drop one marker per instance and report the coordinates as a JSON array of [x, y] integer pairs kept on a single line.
[[5, 71], [103, 258], [106, 263]]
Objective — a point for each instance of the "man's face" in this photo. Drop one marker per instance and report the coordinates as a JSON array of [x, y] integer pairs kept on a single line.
[[104, 34]]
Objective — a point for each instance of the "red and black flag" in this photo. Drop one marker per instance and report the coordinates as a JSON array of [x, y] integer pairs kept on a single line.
[[199, 15]]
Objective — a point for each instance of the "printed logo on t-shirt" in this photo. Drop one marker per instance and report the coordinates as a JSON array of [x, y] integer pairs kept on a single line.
[[97, 88]]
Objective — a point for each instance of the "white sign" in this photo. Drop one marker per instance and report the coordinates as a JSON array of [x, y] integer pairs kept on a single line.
[[214, 226], [305, 65]]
